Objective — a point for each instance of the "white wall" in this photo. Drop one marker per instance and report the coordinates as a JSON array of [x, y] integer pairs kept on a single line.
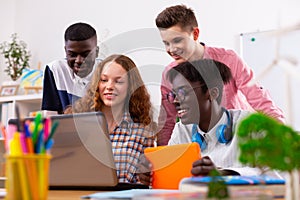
[[41, 24], [7, 26]]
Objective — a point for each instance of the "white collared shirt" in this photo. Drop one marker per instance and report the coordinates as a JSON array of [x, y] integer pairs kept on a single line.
[[223, 155], [81, 84]]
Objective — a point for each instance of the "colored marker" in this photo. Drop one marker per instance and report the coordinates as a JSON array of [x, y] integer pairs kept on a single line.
[[37, 122], [47, 124], [53, 128], [28, 138], [15, 145], [40, 144], [23, 143], [18, 118], [4, 135], [49, 144]]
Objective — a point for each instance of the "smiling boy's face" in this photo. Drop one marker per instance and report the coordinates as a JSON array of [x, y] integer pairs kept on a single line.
[[81, 55], [193, 103], [179, 43]]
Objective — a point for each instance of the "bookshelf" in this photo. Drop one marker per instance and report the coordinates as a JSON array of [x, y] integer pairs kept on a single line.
[[26, 103]]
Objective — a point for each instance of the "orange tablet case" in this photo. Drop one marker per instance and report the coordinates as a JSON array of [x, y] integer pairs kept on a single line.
[[171, 163]]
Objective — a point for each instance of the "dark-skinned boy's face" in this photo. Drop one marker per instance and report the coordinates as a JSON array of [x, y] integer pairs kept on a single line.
[[81, 55], [191, 103]]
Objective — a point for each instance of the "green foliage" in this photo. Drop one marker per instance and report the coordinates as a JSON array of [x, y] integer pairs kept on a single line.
[[16, 56], [217, 188], [264, 142]]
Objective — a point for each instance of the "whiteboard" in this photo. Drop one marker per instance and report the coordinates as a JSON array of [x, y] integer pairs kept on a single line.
[[282, 79]]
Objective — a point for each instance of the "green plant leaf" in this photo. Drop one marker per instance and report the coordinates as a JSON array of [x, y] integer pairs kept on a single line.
[[16, 56]]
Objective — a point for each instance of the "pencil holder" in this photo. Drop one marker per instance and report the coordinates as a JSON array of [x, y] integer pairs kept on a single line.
[[27, 176]]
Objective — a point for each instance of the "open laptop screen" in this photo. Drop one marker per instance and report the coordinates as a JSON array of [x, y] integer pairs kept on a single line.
[[82, 154]]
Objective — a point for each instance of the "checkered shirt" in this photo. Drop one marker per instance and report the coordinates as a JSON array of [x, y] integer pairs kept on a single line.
[[129, 139]]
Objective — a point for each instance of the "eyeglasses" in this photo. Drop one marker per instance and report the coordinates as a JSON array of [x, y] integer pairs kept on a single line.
[[179, 94]]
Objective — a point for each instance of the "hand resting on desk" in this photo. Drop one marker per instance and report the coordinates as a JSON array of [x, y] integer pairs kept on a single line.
[[205, 165]]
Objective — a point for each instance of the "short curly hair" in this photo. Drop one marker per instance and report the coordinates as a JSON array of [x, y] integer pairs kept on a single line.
[[208, 72], [80, 31]]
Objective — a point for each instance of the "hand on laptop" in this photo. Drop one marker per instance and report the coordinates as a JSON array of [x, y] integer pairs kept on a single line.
[[144, 171]]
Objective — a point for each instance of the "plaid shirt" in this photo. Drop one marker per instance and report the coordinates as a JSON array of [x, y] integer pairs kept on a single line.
[[129, 139]]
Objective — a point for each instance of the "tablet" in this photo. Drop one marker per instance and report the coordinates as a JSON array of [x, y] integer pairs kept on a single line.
[[172, 163]]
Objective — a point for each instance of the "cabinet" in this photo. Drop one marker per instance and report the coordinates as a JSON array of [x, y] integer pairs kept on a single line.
[[26, 103]]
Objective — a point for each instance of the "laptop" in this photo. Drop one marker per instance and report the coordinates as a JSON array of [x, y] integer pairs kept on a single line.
[[82, 156]]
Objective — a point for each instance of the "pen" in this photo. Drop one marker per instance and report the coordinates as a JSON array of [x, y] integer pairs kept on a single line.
[[15, 145], [39, 144], [30, 165], [3, 130], [53, 128], [28, 138], [4, 135], [23, 143], [49, 144], [18, 118], [47, 124], [37, 122]]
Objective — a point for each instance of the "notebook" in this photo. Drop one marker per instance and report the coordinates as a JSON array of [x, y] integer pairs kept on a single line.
[[82, 155], [172, 163], [261, 184]]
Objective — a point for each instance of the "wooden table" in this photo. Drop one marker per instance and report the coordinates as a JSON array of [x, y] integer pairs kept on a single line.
[[67, 194], [62, 194]]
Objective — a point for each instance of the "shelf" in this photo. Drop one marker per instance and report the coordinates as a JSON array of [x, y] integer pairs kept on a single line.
[[26, 103], [22, 98]]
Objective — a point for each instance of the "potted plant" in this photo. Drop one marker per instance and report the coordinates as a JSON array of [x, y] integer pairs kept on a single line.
[[266, 143], [16, 56]]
